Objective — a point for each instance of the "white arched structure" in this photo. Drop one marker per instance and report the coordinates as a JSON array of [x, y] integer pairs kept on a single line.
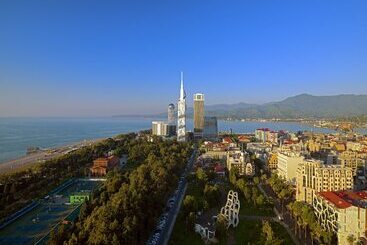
[[204, 232], [232, 209]]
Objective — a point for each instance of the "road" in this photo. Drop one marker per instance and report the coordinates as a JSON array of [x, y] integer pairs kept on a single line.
[[172, 215]]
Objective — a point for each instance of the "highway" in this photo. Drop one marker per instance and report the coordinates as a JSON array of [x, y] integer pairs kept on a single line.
[[173, 212]]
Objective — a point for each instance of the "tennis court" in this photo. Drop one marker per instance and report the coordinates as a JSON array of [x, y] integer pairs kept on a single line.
[[35, 224]]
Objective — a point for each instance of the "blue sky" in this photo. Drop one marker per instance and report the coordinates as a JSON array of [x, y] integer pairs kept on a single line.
[[87, 58]]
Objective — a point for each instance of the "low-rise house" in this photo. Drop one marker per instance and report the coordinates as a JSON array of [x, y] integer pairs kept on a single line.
[[101, 166]]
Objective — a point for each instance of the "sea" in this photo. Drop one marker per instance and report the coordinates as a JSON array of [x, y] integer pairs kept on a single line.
[[17, 134]]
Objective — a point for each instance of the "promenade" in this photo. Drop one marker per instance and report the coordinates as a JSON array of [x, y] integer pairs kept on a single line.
[[42, 156]]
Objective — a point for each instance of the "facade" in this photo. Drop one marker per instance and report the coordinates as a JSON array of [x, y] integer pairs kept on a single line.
[[351, 159], [266, 135], [210, 128], [181, 114], [332, 158], [261, 134], [343, 213], [161, 128], [313, 146], [198, 115], [273, 162], [171, 130], [171, 114], [250, 169], [313, 176], [287, 165], [236, 159], [101, 166]]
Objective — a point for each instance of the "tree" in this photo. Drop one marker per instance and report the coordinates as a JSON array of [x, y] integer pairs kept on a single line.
[[190, 204], [221, 227], [282, 195], [201, 175], [256, 180], [241, 184], [264, 178], [260, 200], [247, 193], [255, 194], [190, 221], [267, 231], [125, 209], [233, 173], [212, 194], [351, 239]]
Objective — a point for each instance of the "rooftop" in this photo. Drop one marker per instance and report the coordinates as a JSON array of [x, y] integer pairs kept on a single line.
[[345, 199]]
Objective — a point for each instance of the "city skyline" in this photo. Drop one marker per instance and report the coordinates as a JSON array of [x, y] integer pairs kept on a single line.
[[105, 60], [103, 140]]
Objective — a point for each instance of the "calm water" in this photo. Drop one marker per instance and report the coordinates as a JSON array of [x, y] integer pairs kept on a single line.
[[16, 134]]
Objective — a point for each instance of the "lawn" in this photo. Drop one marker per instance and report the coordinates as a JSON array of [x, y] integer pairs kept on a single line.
[[181, 235], [248, 232]]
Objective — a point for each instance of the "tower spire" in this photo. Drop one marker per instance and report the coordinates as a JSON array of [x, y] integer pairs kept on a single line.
[[182, 91], [181, 123]]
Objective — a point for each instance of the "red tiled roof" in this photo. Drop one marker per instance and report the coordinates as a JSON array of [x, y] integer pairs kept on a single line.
[[335, 199], [344, 199], [218, 168], [227, 140], [263, 129]]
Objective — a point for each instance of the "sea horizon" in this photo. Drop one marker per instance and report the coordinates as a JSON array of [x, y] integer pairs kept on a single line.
[[19, 133]]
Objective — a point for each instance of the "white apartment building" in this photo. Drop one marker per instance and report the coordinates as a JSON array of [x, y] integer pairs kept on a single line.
[[343, 213], [287, 165]]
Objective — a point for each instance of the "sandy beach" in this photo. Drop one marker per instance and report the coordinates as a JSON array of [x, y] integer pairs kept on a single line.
[[43, 155]]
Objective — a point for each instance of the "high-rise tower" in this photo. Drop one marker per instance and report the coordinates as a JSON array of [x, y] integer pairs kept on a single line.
[[181, 113], [171, 114], [198, 115]]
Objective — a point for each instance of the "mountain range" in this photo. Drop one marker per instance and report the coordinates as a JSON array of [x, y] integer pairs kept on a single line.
[[296, 107], [300, 106]]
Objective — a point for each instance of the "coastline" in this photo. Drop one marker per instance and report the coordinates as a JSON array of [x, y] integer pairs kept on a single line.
[[44, 155]]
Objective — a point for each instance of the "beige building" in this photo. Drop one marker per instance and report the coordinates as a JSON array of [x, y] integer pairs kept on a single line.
[[273, 161], [250, 169], [343, 213], [351, 159], [313, 176], [288, 162], [237, 159], [313, 145], [198, 114], [354, 146]]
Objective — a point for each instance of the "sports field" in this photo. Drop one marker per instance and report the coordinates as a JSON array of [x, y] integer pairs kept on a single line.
[[34, 225]]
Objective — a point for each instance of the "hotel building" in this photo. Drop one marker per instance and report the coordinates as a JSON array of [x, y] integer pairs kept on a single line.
[[343, 213], [313, 176], [198, 115]]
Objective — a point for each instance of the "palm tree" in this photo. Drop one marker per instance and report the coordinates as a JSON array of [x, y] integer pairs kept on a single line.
[[282, 195], [350, 239]]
